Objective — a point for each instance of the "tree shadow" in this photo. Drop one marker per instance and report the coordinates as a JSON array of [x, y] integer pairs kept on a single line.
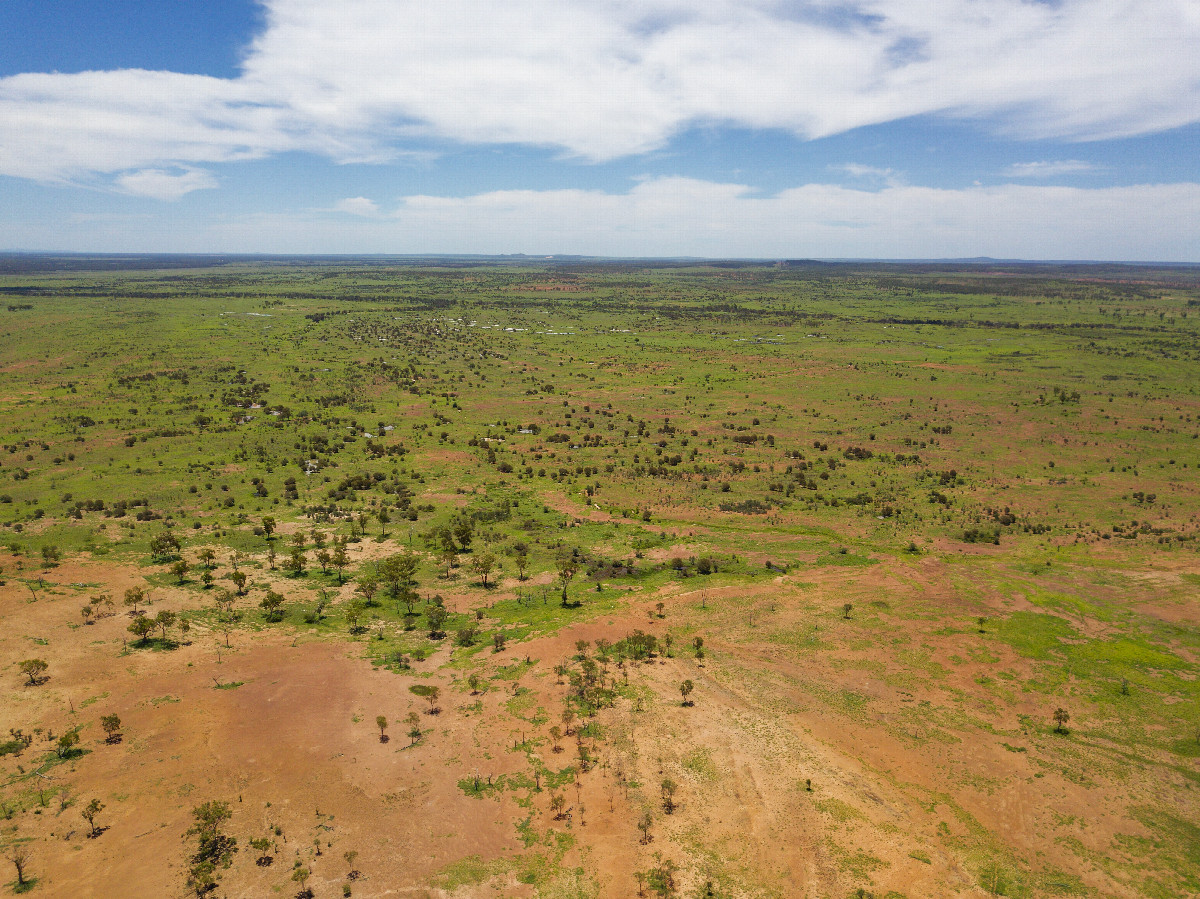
[[156, 644]]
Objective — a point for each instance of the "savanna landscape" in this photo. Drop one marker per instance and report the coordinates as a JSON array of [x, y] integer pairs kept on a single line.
[[569, 578]]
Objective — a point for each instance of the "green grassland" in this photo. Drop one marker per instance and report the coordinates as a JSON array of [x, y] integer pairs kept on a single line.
[[1033, 429], [1048, 405]]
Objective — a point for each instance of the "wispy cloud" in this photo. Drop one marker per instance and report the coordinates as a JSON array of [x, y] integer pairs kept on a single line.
[[357, 206], [160, 184], [601, 79], [1049, 169], [886, 176]]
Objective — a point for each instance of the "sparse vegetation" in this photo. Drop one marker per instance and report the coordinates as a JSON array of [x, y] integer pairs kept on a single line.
[[534, 500]]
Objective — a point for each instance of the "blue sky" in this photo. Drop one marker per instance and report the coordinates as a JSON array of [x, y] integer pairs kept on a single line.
[[766, 128]]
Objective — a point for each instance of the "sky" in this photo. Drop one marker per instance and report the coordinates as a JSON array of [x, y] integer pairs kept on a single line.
[[888, 129]]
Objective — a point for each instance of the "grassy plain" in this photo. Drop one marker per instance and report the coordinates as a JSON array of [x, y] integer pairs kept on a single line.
[[909, 511]]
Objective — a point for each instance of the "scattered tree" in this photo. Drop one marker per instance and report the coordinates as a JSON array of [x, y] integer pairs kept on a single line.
[[1061, 717], [20, 855], [272, 606], [643, 825], [354, 612], [263, 846], [66, 744], [164, 546], [366, 587], [436, 614], [429, 692], [668, 794], [567, 565], [449, 557], [134, 597], [142, 627], [483, 565], [34, 669], [112, 727], [300, 875], [164, 619], [296, 560], [685, 690], [89, 812], [214, 848], [340, 560], [464, 533], [661, 877], [381, 722]]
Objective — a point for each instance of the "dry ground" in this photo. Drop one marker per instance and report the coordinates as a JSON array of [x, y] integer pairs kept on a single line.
[[920, 776]]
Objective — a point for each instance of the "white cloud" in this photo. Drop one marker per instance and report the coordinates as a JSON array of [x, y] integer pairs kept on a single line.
[[887, 176], [164, 185], [600, 79], [680, 216], [1049, 169], [357, 206], [62, 127]]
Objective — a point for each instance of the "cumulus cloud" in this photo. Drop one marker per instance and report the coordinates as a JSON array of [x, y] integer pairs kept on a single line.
[[600, 79], [688, 217], [1049, 169]]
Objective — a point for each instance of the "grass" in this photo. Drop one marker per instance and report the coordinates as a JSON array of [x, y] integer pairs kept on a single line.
[[930, 444], [471, 871]]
